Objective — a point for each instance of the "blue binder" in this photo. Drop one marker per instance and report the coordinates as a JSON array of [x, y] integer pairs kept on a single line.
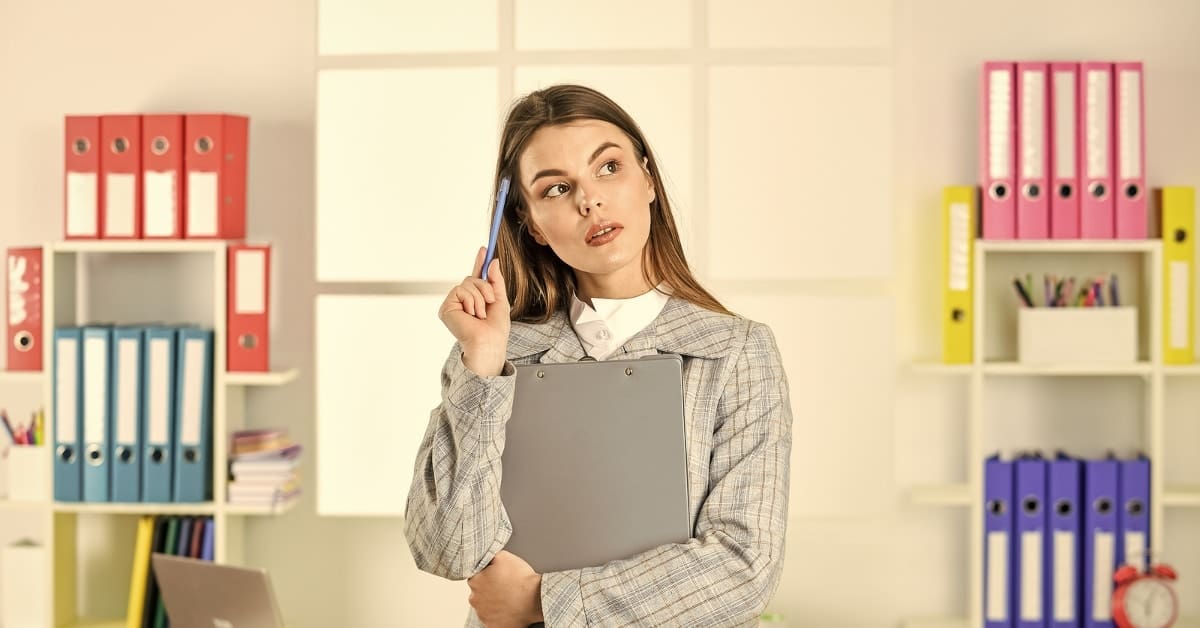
[[1065, 551], [193, 415], [998, 580], [158, 403], [1029, 550], [1133, 517], [1101, 541], [97, 427], [126, 412], [68, 414]]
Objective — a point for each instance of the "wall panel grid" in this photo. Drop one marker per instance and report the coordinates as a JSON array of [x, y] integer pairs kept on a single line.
[[771, 120]]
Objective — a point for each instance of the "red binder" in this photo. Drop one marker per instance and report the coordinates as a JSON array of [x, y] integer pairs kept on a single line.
[[248, 307], [24, 307], [1129, 148], [216, 176], [1033, 151], [121, 173], [1064, 151], [162, 176], [997, 160], [81, 184]]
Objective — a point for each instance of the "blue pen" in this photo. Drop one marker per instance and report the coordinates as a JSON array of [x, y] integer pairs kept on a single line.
[[501, 197], [1112, 291]]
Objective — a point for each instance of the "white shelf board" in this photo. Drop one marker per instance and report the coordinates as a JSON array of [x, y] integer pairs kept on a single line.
[[941, 495], [1182, 370], [254, 510], [98, 623], [21, 377], [202, 508], [138, 246], [936, 622], [1017, 368], [271, 378], [1181, 496], [1068, 246]]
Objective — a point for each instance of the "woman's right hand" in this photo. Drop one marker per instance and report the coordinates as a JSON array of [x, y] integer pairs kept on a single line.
[[477, 313]]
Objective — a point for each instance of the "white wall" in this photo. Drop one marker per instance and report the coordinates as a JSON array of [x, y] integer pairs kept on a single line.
[[847, 307]]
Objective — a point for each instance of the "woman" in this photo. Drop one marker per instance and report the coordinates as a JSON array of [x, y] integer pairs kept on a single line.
[[589, 263]]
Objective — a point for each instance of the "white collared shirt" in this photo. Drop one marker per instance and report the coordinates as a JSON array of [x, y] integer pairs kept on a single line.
[[606, 324]]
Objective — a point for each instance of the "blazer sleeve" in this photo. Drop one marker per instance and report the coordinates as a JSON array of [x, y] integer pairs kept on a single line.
[[727, 574], [453, 521]]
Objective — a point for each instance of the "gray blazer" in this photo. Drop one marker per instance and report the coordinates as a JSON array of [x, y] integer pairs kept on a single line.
[[739, 432]]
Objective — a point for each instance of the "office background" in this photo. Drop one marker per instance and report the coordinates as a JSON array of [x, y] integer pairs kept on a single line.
[[806, 146]]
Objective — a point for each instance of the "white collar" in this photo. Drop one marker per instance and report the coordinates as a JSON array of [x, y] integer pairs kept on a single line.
[[606, 324]]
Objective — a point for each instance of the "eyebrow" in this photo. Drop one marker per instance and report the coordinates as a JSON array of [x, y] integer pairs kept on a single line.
[[559, 173]]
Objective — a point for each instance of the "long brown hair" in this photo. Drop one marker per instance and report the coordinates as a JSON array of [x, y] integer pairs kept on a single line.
[[539, 283]]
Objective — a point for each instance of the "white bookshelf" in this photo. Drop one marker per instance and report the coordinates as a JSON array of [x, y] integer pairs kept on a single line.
[[66, 301], [1144, 256]]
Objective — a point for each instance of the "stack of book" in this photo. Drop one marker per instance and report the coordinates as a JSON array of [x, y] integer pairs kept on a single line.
[[263, 467]]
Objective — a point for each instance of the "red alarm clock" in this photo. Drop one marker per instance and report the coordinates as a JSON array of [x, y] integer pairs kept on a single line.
[[1145, 599]]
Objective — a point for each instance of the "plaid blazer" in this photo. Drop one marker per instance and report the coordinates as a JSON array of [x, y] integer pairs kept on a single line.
[[739, 430]]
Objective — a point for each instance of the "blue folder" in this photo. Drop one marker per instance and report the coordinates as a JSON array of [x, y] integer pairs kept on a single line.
[[1133, 517], [1029, 550], [1101, 544], [998, 578], [193, 415], [158, 402], [1064, 552], [68, 414], [97, 425], [127, 415]]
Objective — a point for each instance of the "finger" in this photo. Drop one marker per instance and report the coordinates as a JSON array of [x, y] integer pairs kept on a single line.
[[479, 305], [496, 278], [484, 287], [478, 265], [465, 299]]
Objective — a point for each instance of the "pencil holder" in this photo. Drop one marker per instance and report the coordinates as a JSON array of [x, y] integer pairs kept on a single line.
[[1048, 335], [28, 473]]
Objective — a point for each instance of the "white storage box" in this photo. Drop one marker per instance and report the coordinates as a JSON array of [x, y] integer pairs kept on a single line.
[[1071, 335], [24, 586], [28, 474]]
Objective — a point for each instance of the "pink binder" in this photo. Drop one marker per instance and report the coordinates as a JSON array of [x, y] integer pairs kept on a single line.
[[997, 159], [1096, 218], [1033, 207], [1129, 148], [1064, 151]]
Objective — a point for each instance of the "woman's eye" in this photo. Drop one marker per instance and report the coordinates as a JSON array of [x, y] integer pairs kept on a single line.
[[609, 168], [558, 189]]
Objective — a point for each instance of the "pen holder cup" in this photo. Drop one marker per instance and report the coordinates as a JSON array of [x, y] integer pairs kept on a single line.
[[1057, 335], [28, 472], [24, 586]]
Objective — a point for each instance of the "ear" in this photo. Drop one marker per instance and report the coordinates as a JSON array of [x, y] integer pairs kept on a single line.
[[537, 235], [649, 178]]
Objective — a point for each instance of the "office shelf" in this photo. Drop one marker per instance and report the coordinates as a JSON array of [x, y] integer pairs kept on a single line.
[[138, 246], [1068, 246], [1020, 369], [1182, 370], [203, 508], [942, 495], [21, 377], [8, 505], [937, 622], [252, 510], [1182, 496], [271, 378]]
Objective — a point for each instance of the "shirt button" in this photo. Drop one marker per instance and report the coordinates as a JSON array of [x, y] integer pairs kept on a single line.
[[603, 334]]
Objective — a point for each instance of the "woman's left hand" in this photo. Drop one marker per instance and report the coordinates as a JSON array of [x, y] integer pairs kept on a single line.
[[508, 592]]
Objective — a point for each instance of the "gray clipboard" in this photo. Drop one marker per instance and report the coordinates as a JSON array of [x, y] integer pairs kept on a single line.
[[595, 461]]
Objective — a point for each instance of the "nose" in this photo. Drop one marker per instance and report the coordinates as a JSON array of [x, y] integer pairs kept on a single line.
[[588, 200]]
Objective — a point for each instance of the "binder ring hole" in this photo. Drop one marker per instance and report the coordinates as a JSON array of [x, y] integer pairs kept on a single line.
[[958, 315], [191, 455], [1181, 235], [204, 144], [628, 372], [541, 374], [94, 455], [160, 145], [66, 453], [1062, 508], [247, 341], [23, 341], [1031, 505], [1132, 190], [998, 191], [81, 145], [1065, 190], [125, 454], [120, 145], [1032, 190], [157, 455], [997, 506], [1097, 190], [1104, 505], [1135, 507]]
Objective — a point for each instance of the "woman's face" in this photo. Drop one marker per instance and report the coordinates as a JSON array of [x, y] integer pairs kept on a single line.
[[589, 199]]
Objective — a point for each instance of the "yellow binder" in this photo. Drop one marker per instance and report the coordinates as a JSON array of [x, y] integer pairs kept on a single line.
[[1179, 279], [960, 205], [141, 571]]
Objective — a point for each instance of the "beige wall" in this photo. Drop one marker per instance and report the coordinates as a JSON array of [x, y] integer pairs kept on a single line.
[[858, 555]]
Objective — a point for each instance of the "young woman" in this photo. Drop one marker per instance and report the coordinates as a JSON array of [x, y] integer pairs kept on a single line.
[[589, 264]]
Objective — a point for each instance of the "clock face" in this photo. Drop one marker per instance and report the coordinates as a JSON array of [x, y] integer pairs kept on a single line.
[[1150, 603]]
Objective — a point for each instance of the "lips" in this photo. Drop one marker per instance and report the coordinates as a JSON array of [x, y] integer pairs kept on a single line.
[[603, 233]]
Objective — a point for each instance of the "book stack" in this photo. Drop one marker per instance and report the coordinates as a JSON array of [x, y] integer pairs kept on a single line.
[[263, 468]]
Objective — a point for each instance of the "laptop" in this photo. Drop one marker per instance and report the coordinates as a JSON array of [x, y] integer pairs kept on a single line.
[[203, 594], [595, 461]]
